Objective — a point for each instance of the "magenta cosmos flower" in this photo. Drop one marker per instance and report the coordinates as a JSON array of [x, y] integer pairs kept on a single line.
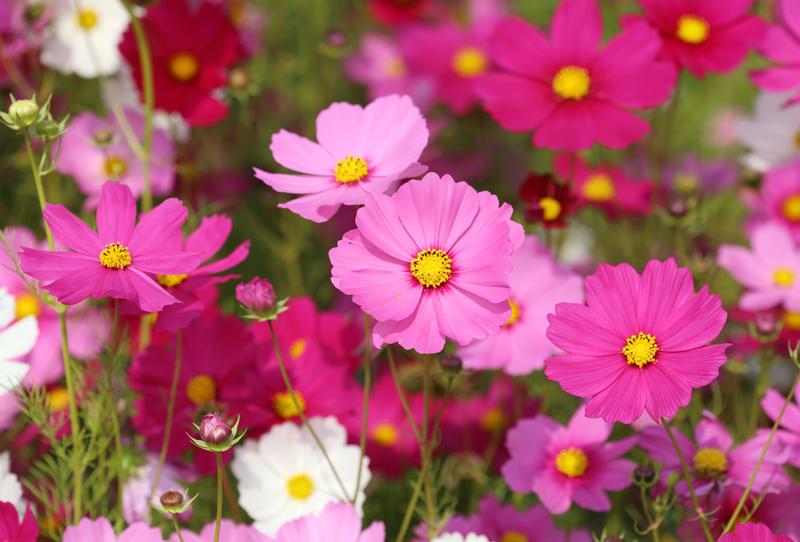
[[780, 198], [537, 283], [431, 261], [565, 464], [781, 44], [567, 89], [361, 151], [769, 270], [16, 529], [753, 532], [338, 522], [705, 35], [772, 403], [117, 261], [100, 530], [639, 344]]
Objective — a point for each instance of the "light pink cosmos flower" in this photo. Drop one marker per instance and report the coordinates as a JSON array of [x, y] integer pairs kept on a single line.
[[361, 151], [772, 403], [95, 150], [781, 45], [567, 89], [431, 261], [753, 532], [118, 260], [229, 532], [100, 530], [537, 283], [779, 199], [641, 342], [715, 461], [565, 464], [769, 270], [338, 522]]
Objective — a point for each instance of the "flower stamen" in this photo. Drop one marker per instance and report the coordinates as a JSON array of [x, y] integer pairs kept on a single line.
[[572, 462], [385, 434], [184, 67], [284, 406], [692, 29], [710, 462], [572, 83], [599, 187], [170, 281], [115, 256], [783, 276], [300, 487], [351, 169], [431, 267], [640, 349], [201, 390], [469, 62]]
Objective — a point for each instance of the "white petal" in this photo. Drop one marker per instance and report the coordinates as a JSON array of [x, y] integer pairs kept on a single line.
[[19, 338]]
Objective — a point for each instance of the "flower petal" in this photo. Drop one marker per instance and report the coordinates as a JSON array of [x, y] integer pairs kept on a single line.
[[159, 225], [116, 214], [71, 231]]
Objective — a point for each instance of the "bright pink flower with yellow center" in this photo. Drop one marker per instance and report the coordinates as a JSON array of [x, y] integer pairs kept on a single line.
[[566, 88], [120, 260], [430, 262], [781, 44], [640, 343], [779, 198]]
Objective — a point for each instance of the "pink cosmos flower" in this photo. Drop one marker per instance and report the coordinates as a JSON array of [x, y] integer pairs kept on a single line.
[[229, 532], [753, 532], [338, 522], [639, 344], [95, 150], [569, 91], [704, 35], [781, 45], [768, 271], [16, 529], [779, 199], [361, 151], [565, 464], [118, 260], [431, 261], [537, 284], [100, 530], [772, 403]]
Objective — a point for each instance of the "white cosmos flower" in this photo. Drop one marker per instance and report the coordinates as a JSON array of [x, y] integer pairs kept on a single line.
[[283, 475], [10, 488], [17, 339], [772, 133], [84, 37], [457, 537]]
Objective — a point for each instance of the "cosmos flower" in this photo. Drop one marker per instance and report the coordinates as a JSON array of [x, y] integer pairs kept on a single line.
[[118, 260], [772, 403], [17, 528], [779, 199], [398, 12], [17, 339], [641, 342], [771, 133], [100, 530], [548, 201], [283, 475], [84, 37], [361, 151], [537, 283], [229, 532], [753, 532], [691, 175], [431, 261], [565, 464], [704, 35], [337, 520], [569, 91], [781, 45]]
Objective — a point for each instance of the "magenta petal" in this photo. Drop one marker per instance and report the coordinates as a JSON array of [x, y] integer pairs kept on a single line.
[[166, 263], [158, 226], [233, 259], [591, 498], [581, 330], [657, 444], [666, 391], [71, 231], [209, 237], [623, 401], [710, 433], [576, 31], [696, 367], [552, 490], [149, 296], [516, 103], [614, 475], [772, 403], [520, 47], [296, 184], [45, 265], [617, 128], [585, 376], [73, 289], [116, 213]]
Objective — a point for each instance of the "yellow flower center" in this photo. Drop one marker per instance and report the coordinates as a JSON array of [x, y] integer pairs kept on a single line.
[[184, 67], [297, 348], [551, 208], [692, 29], [115, 256], [469, 62], [791, 320], [494, 420], [115, 166], [599, 187], [385, 434], [572, 462], [201, 390], [686, 183], [87, 19], [640, 349], [431, 267], [350, 169], [300, 487], [395, 68], [284, 405], [57, 399], [791, 208], [516, 312], [710, 462], [170, 281], [572, 83], [513, 536], [783, 276], [27, 305]]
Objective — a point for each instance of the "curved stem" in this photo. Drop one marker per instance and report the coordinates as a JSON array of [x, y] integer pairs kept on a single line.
[[177, 529], [37, 180], [219, 496], [410, 510], [403, 399], [365, 405], [425, 451], [173, 392]]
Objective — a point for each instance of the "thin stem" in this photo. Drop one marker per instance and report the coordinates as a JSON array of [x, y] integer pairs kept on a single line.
[[289, 388], [761, 457], [688, 478], [114, 414], [37, 179], [410, 509], [219, 496], [73, 417], [173, 392], [365, 405], [232, 504], [177, 529], [425, 452], [651, 525], [402, 395]]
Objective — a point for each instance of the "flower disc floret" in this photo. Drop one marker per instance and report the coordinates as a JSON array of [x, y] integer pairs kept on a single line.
[[431, 267]]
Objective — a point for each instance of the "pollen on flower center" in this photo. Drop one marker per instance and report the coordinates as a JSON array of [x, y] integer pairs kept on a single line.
[[710, 462], [350, 169], [284, 406], [87, 19], [572, 462], [115, 256], [599, 187], [516, 312], [201, 390], [791, 320], [57, 399], [791, 208], [395, 68], [27, 304], [513, 536], [385, 434], [297, 348], [469, 62], [170, 281], [431, 267], [783, 276], [494, 420], [300, 487], [184, 67], [692, 29], [572, 83], [551, 208], [685, 183], [115, 166], [640, 349]]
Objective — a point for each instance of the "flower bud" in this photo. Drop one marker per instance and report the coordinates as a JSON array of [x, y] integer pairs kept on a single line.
[[766, 322], [171, 499], [214, 429], [24, 112], [451, 364], [677, 207], [256, 295], [644, 475]]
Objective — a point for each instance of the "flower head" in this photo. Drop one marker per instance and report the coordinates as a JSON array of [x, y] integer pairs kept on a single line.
[[548, 202], [256, 295], [15, 528], [781, 45], [216, 434], [771, 133], [17, 339], [337, 517], [750, 532], [100, 529]]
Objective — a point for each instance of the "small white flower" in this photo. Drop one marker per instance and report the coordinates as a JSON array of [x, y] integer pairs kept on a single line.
[[84, 37], [457, 537], [772, 134], [10, 488], [283, 475], [17, 339]]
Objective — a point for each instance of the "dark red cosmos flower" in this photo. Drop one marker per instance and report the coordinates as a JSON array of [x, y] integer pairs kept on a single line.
[[192, 50], [397, 12], [546, 200]]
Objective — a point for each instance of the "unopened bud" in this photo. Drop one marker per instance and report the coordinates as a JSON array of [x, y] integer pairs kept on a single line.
[[644, 475], [256, 295], [24, 112], [171, 499], [451, 364], [214, 429]]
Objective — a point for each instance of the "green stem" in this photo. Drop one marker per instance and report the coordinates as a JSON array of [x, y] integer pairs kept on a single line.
[[115, 426], [37, 179], [365, 405], [402, 395], [173, 392], [177, 529], [219, 496], [410, 509], [688, 478], [73, 418], [425, 452]]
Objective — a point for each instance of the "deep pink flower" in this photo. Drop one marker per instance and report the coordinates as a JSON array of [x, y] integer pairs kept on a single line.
[[779, 198], [397, 12], [641, 342], [781, 45], [118, 260], [753, 532], [567, 89], [565, 464], [431, 261], [361, 151], [12, 529], [100, 530], [256, 295], [704, 35], [772, 403]]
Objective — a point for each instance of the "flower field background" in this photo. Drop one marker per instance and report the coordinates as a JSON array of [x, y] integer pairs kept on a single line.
[[399, 270]]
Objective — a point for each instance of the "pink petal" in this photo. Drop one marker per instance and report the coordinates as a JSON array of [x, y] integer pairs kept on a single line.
[[209, 237], [779, 45], [420, 331], [588, 430], [772, 403], [591, 498], [585, 376], [71, 231], [296, 184], [696, 367], [393, 135], [655, 441], [148, 296], [518, 46], [45, 265], [338, 127], [790, 13], [552, 490], [743, 265], [319, 207], [623, 401], [614, 475], [516, 103], [233, 259], [156, 227], [380, 224], [693, 324], [613, 291], [116, 213], [580, 330], [300, 154], [666, 390], [72, 289], [576, 31], [465, 318], [710, 433], [777, 78], [167, 263]]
